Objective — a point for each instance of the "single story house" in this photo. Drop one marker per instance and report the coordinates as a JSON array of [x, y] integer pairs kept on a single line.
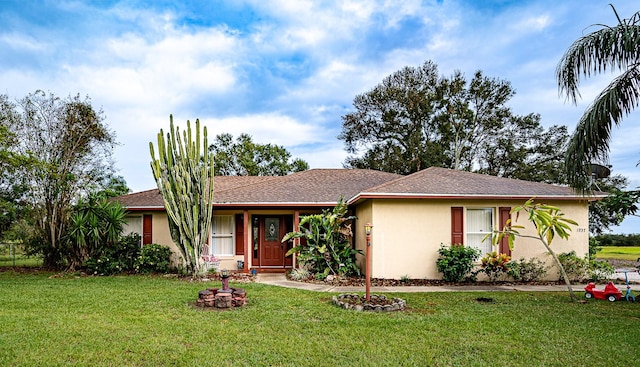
[[412, 216]]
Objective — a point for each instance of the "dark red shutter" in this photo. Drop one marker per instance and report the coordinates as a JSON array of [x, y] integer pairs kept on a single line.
[[505, 214], [240, 234], [457, 227], [147, 230]]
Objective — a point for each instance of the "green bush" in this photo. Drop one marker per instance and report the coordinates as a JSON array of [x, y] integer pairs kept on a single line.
[[599, 271], [118, 258], [524, 270], [594, 247], [456, 262], [328, 247], [582, 269], [574, 266], [153, 259], [105, 265]]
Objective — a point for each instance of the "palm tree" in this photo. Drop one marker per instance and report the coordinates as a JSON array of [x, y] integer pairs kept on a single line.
[[614, 48]]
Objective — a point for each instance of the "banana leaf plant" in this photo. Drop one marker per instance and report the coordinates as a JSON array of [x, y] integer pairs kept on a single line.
[[328, 236]]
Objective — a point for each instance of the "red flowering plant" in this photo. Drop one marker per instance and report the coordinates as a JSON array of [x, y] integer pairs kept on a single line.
[[495, 265]]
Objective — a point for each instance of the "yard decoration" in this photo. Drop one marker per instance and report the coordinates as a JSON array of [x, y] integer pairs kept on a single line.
[[184, 174], [548, 221]]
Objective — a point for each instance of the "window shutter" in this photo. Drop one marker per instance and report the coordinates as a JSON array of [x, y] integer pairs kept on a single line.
[[505, 214], [240, 238], [457, 228]]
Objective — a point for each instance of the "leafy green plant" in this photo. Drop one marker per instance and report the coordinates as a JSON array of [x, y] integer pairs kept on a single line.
[[495, 265], [574, 266], [456, 262], [526, 270], [600, 270], [94, 229], [328, 242], [582, 269], [154, 259], [117, 258], [594, 247]]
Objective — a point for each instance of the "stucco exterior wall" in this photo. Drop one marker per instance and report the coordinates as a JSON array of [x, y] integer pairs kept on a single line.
[[408, 233]]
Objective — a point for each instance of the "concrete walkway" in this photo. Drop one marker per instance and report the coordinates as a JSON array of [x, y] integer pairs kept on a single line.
[[280, 280]]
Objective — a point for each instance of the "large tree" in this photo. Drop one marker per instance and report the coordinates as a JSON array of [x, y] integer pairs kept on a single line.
[[614, 48], [68, 146], [183, 171], [394, 123], [524, 150], [415, 119], [246, 158]]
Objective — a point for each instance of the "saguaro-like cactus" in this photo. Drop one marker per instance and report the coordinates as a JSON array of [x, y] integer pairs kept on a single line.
[[184, 174]]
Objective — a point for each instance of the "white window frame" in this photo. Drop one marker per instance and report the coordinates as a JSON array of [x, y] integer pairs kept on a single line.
[[217, 235], [484, 247]]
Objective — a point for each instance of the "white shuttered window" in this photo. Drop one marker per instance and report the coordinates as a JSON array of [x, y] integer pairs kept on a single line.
[[479, 224]]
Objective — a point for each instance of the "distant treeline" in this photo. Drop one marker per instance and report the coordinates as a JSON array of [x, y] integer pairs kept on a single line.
[[618, 239]]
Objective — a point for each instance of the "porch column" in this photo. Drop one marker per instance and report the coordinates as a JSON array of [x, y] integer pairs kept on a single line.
[[247, 242], [296, 241]]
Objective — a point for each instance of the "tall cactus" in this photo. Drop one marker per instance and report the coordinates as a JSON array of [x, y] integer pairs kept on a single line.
[[184, 175]]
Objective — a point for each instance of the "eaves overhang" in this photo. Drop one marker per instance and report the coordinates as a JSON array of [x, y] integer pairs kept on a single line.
[[378, 195]]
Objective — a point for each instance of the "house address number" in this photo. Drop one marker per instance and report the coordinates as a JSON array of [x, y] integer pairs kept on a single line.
[[581, 230]]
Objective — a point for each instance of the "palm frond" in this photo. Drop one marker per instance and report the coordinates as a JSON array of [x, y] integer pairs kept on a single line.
[[590, 141], [614, 48]]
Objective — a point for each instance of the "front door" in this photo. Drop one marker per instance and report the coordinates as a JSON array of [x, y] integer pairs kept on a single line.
[[268, 232], [272, 248]]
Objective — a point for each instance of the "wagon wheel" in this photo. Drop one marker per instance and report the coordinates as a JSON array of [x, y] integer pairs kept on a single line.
[[588, 295], [611, 298]]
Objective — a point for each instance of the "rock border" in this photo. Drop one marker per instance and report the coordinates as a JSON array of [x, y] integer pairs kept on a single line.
[[356, 302]]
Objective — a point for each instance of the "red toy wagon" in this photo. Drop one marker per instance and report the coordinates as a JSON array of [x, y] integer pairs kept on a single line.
[[610, 292]]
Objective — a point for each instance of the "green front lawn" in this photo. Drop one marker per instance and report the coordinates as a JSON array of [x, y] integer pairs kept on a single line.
[[619, 252], [150, 321]]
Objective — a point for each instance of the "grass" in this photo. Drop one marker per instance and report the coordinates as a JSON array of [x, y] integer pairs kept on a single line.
[[631, 253], [150, 321]]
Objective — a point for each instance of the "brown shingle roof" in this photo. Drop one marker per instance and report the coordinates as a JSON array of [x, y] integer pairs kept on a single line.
[[312, 187], [325, 186], [443, 182], [316, 186]]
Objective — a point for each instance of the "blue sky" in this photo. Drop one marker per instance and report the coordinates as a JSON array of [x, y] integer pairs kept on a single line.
[[286, 71]]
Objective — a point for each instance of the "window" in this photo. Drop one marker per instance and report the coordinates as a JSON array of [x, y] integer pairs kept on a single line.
[[222, 235], [133, 224], [479, 224]]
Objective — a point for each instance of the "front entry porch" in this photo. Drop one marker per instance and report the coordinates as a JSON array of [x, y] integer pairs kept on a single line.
[[267, 252]]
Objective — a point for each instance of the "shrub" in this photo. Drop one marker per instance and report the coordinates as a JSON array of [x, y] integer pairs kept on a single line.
[[328, 238], [582, 269], [526, 270], [574, 266], [104, 265], [153, 259], [116, 259], [456, 262], [494, 265], [600, 270], [594, 247]]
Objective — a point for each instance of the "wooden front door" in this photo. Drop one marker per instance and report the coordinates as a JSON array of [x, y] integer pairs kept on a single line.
[[272, 250]]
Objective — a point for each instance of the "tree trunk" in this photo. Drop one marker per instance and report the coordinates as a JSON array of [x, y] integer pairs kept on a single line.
[[562, 272]]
